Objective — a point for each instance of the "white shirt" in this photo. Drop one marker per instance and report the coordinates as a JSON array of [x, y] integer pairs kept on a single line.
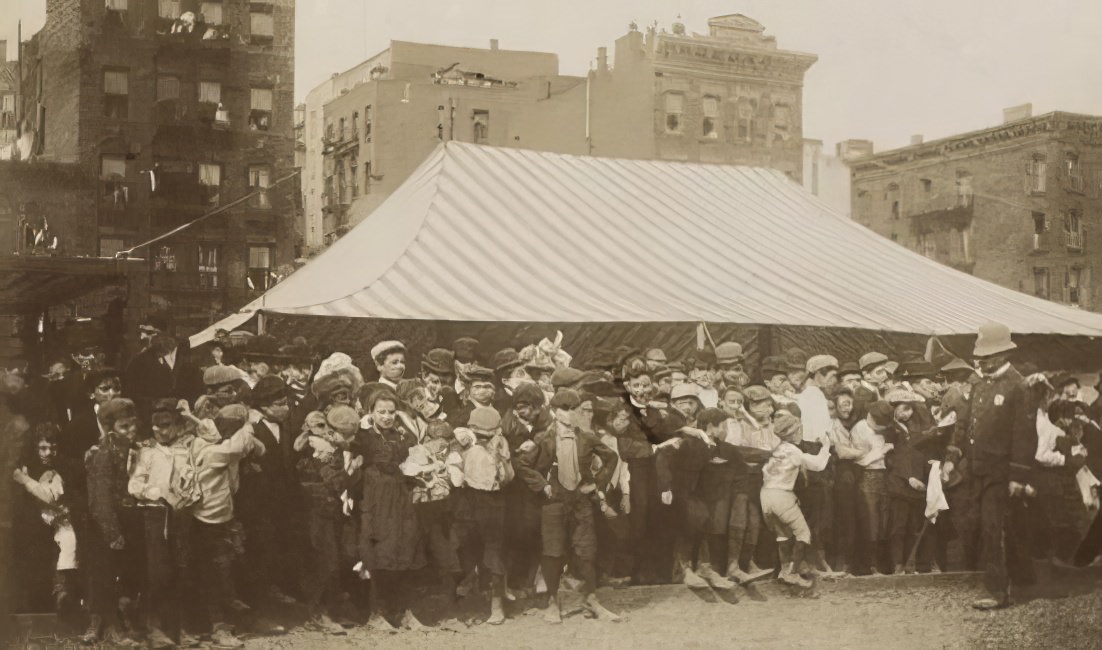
[[866, 438], [170, 359], [814, 413], [1047, 433]]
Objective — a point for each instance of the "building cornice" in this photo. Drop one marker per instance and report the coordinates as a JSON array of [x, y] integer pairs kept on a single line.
[[732, 60], [1088, 127]]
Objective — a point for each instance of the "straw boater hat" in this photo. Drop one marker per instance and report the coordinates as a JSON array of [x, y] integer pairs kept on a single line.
[[994, 338], [386, 347]]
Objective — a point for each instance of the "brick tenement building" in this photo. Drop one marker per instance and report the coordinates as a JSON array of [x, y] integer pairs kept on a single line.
[[387, 114], [1018, 204], [177, 107], [730, 96]]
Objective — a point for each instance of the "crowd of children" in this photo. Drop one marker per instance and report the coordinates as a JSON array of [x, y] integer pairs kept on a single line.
[[285, 477]]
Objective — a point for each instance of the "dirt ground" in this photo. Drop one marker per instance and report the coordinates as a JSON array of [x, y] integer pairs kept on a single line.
[[871, 612]]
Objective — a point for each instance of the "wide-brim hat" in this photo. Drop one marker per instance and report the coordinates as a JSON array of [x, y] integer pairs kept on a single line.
[[505, 360], [466, 349], [478, 373], [566, 377], [324, 387], [994, 338], [439, 361]]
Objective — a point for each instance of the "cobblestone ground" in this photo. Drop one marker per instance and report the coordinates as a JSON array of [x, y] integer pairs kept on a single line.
[[1063, 611]]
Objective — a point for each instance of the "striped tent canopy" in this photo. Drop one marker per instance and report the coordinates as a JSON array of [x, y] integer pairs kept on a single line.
[[507, 235]]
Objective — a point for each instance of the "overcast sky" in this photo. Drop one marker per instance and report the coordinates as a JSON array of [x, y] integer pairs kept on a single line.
[[887, 69]]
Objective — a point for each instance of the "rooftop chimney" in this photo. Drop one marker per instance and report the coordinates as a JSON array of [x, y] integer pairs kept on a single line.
[[851, 149], [493, 44], [602, 59], [1019, 112], [916, 139]]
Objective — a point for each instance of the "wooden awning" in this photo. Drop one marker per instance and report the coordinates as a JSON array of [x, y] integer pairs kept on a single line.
[[32, 284]]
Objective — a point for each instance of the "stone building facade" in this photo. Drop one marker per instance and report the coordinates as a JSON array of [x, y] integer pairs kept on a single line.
[[729, 96], [1019, 204], [177, 108]]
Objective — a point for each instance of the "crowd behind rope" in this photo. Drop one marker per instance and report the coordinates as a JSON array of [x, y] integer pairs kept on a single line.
[[176, 498]]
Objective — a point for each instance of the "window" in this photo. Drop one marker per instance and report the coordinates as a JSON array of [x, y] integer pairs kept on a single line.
[[745, 118], [116, 93], [259, 177], [112, 167], [1037, 170], [781, 120], [675, 103], [261, 27], [260, 113], [927, 185], [1073, 229], [210, 174], [481, 125], [116, 5], [1039, 227], [208, 266], [7, 111], [1075, 177], [211, 12], [260, 266], [168, 87], [892, 194], [210, 92], [1040, 283], [964, 190], [710, 106], [1072, 283], [164, 260], [168, 9], [353, 169], [367, 123]]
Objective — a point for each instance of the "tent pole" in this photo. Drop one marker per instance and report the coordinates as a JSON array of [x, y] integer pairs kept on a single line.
[[260, 324], [765, 346]]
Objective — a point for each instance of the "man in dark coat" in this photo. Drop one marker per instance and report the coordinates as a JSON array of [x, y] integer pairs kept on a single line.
[[161, 370], [999, 440], [559, 466]]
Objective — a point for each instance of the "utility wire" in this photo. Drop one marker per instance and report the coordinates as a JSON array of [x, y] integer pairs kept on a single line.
[[128, 252]]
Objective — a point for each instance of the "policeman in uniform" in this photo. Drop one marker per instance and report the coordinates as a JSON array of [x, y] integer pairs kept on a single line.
[[997, 441]]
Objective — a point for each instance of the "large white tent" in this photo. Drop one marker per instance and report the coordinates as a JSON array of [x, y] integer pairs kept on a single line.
[[507, 235]]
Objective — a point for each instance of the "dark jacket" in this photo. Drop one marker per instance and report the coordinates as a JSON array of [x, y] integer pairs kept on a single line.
[[534, 466], [909, 458], [107, 481], [999, 437]]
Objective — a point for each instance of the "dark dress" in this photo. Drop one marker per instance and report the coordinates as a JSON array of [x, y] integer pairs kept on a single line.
[[390, 538]]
